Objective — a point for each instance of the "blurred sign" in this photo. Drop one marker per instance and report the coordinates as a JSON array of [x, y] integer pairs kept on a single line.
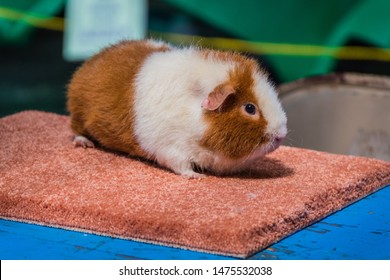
[[93, 24]]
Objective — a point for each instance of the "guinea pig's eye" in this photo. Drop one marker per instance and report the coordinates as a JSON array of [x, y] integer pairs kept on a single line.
[[250, 109]]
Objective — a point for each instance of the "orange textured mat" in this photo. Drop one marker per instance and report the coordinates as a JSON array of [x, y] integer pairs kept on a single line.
[[45, 180]]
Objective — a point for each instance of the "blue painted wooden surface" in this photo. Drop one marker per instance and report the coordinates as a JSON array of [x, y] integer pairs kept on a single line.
[[360, 231]]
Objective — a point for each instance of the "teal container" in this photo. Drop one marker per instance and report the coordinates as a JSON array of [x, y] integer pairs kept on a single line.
[[326, 23]]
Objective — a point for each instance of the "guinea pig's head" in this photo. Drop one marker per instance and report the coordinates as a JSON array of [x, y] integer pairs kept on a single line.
[[243, 115]]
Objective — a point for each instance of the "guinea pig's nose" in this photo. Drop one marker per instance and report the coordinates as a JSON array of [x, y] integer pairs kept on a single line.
[[278, 140]]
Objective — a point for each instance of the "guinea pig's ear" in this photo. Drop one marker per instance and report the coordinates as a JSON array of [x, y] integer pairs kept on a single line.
[[216, 98]]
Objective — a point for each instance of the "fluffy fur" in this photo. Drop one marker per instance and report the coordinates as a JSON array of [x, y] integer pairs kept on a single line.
[[179, 107]]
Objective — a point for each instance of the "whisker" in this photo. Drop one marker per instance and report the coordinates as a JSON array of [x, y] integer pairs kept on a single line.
[[292, 141]]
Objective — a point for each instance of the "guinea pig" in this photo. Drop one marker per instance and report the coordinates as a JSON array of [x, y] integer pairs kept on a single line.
[[188, 109]]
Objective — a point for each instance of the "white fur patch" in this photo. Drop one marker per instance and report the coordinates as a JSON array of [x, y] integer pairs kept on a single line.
[[270, 107], [170, 88]]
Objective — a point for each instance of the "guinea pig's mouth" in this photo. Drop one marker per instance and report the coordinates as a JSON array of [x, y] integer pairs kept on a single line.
[[274, 144], [265, 148]]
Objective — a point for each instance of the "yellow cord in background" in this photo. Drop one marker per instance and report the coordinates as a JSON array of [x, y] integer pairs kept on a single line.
[[52, 23], [261, 48], [265, 48]]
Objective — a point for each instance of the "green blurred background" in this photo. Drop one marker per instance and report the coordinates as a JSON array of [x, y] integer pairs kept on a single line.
[[34, 74]]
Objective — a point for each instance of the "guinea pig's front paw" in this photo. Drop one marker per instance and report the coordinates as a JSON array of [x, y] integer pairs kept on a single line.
[[178, 163], [81, 141], [187, 172], [190, 174]]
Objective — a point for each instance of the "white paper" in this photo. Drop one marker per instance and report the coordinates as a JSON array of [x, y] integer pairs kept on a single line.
[[94, 24]]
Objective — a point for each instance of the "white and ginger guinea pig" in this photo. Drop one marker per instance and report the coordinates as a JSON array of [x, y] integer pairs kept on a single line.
[[181, 107]]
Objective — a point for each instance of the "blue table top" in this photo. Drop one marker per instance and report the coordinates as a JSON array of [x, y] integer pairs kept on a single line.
[[360, 231]]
